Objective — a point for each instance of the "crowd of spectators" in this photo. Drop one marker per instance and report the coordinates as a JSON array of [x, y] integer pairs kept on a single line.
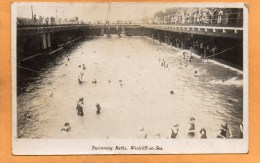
[[41, 20], [199, 16]]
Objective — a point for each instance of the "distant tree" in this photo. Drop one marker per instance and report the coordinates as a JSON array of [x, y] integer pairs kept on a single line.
[[159, 14]]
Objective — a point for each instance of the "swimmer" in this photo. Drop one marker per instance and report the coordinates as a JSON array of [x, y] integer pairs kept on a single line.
[[66, 127], [83, 67], [224, 131], [79, 108], [196, 74], [175, 131], [191, 131], [27, 116], [183, 54], [163, 63], [98, 108], [80, 78], [190, 58], [203, 133], [94, 82]]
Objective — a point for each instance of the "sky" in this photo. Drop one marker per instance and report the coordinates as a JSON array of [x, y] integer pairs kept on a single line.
[[91, 11], [103, 10]]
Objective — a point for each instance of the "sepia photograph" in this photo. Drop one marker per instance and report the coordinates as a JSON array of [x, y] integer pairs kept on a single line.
[[129, 78]]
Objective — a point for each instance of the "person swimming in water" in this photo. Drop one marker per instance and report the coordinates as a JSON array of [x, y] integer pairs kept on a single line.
[[196, 74], [94, 81], [203, 133], [175, 131], [27, 116], [80, 78], [224, 130], [83, 67], [163, 63], [191, 130], [80, 104], [66, 127], [183, 55]]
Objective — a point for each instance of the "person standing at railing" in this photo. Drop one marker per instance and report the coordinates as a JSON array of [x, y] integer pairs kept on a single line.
[[189, 18], [220, 15], [194, 18], [203, 17], [40, 20], [211, 15], [226, 21], [199, 18], [182, 18], [175, 20], [215, 15], [46, 20], [34, 20], [52, 20]]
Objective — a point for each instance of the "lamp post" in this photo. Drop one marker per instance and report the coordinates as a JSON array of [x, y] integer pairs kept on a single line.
[[32, 11]]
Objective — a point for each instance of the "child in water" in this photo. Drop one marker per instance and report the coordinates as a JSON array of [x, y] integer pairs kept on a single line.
[[203, 133]]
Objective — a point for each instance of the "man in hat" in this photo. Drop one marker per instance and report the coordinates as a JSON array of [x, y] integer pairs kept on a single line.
[[223, 132], [191, 131]]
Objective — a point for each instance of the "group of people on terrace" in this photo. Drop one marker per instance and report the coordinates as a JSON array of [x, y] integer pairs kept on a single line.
[[199, 16], [45, 20]]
